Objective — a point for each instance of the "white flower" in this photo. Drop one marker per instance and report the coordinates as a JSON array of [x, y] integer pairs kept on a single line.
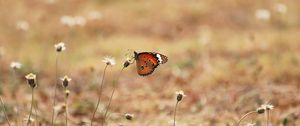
[[15, 65], [22, 25], [73, 21], [109, 61], [263, 14], [68, 21], [281, 8], [80, 21], [60, 47], [267, 106], [250, 124]]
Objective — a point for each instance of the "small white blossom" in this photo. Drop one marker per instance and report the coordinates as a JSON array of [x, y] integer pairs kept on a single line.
[[68, 21], [250, 124], [281, 8], [71, 21], [60, 47], [263, 14], [109, 61], [15, 65], [22, 25], [80, 21], [267, 106]]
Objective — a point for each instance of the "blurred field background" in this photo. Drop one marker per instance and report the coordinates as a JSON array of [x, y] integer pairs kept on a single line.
[[228, 56]]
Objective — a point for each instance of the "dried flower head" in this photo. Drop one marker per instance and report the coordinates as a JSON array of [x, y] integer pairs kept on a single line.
[[250, 124], [180, 94], [267, 106], [31, 80], [109, 61], [71, 21], [65, 81], [263, 14], [67, 93], [15, 65], [129, 61], [60, 47], [67, 21], [129, 116], [80, 21], [260, 110], [264, 107]]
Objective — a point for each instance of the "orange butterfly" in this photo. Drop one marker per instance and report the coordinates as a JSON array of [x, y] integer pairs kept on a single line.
[[146, 62]]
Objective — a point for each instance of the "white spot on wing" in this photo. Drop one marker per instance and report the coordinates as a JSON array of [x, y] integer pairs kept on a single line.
[[159, 58]]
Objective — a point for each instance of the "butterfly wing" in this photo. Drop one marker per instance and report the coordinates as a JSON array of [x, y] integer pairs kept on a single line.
[[146, 62], [161, 58]]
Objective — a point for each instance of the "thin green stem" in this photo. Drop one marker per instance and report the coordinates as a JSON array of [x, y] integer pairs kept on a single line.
[[267, 117], [243, 117], [36, 115], [15, 89], [55, 88], [4, 111], [111, 96], [175, 112], [66, 103], [30, 112], [100, 94]]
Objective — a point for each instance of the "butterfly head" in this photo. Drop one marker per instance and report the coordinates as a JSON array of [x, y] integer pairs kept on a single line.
[[135, 55]]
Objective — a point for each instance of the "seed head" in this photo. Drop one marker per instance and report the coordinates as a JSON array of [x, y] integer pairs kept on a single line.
[[60, 47], [264, 107], [129, 116], [31, 80], [15, 65], [180, 95], [65, 81], [128, 62], [260, 110], [109, 61], [67, 93], [267, 106], [250, 124]]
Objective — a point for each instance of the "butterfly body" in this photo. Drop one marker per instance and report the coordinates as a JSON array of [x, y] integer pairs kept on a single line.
[[147, 62]]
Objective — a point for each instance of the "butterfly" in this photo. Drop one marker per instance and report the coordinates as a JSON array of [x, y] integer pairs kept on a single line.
[[147, 62]]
